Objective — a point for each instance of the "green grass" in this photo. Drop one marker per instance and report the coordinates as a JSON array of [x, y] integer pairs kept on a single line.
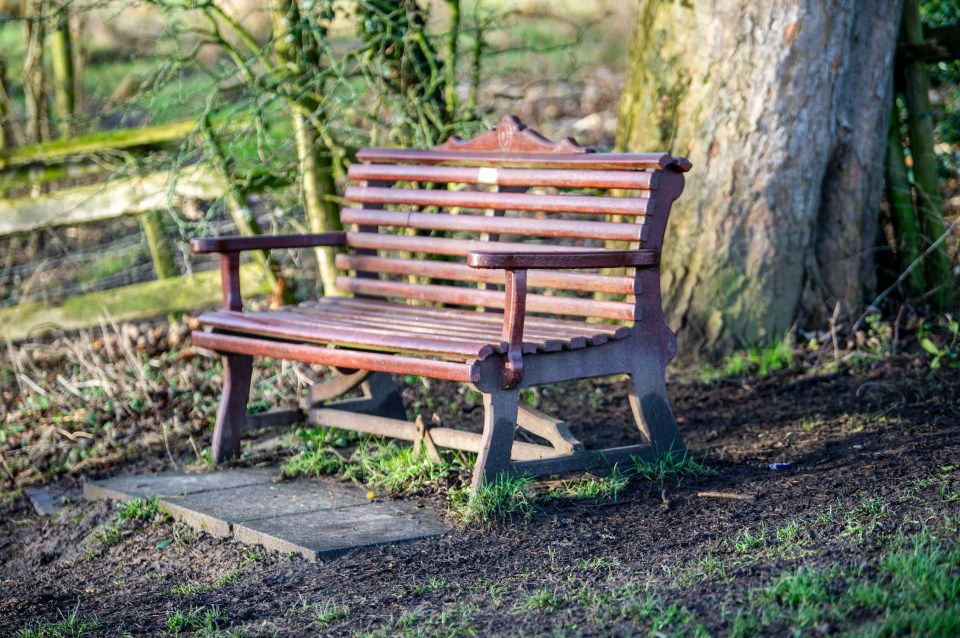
[[507, 498], [189, 589], [593, 487], [669, 467], [912, 589], [756, 361], [637, 604], [68, 626], [544, 599], [452, 621], [202, 622], [330, 612], [747, 541], [130, 515], [398, 468]]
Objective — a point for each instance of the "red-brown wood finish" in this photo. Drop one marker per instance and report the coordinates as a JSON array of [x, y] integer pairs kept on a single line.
[[444, 249]]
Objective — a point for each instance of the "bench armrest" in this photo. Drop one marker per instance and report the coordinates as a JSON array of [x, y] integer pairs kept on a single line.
[[231, 247], [264, 242], [554, 260], [515, 290]]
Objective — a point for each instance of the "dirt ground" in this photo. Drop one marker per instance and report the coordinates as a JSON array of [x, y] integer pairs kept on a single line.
[[863, 454]]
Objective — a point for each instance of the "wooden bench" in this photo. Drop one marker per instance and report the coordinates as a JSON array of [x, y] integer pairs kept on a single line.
[[457, 289]]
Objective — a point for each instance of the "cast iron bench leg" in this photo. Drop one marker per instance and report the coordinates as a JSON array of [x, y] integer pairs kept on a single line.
[[651, 407], [237, 369], [499, 425]]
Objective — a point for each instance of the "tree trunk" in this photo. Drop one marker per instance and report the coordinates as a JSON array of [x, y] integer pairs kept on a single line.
[[782, 107], [314, 162]]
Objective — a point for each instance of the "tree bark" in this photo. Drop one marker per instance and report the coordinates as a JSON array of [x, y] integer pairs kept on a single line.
[[782, 108], [314, 161]]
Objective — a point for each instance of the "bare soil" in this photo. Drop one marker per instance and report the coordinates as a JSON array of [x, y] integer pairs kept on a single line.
[[883, 431]]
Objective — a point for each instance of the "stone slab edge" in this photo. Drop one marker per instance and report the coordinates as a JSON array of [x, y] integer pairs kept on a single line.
[[197, 520], [93, 492], [252, 536]]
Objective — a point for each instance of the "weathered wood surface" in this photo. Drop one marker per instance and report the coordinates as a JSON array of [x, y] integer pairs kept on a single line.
[[61, 149], [97, 202], [148, 299], [391, 325]]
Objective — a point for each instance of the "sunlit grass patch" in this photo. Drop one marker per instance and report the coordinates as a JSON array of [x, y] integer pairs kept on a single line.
[[591, 487], [505, 499], [69, 625], [757, 361], [638, 604], [130, 515], [912, 589], [669, 468], [544, 599]]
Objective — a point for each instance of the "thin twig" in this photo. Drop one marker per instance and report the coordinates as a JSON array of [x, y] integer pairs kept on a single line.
[[916, 262], [727, 495]]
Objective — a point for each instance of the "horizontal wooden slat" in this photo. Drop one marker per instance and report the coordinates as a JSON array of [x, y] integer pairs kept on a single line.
[[421, 324], [634, 180], [589, 161], [255, 323], [406, 431], [503, 225], [309, 353], [444, 246], [547, 327], [385, 324], [455, 271], [488, 298], [533, 260], [589, 460], [566, 327], [585, 204]]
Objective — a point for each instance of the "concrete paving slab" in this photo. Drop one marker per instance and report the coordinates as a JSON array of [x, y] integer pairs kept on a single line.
[[312, 517], [173, 483], [44, 501], [217, 511], [329, 533]]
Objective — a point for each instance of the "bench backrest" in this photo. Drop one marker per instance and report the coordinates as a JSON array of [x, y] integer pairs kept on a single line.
[[507, 189]]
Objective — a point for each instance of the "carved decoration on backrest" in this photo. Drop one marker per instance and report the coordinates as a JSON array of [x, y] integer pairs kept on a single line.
[[512, 136]]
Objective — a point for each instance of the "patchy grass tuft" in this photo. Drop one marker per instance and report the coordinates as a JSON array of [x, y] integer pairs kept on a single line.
[[69, 626], [505, 499], [130, 516], [669, 468]]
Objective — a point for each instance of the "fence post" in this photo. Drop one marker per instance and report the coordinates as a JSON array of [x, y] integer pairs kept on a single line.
[[61, 58], [160, 253], [900, 197], [926, 180]]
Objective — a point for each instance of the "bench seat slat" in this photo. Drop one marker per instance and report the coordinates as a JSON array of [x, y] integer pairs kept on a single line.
[[417, 326], [454, 271], [310, 353], [505, 225], [330, 333], [629, 180], [585, 204], [556, 326], [488, 298]]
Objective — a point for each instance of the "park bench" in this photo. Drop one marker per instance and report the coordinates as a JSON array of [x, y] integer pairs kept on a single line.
[[446, 293]]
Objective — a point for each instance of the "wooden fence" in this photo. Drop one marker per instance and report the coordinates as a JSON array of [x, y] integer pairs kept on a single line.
[[144, 196]]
